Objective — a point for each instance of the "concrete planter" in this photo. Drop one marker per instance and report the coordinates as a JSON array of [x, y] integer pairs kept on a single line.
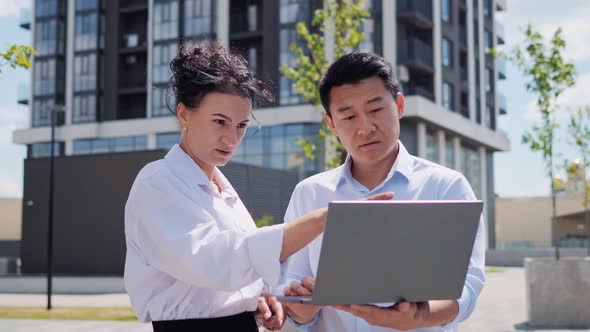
[[558, 292]]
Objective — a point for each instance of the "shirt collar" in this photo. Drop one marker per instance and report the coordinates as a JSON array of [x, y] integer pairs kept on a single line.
[[185, 168], [402, 165]]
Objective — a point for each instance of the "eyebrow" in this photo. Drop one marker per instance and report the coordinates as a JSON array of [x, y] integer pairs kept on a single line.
[[376, 99], [228, 118], [372, 100]]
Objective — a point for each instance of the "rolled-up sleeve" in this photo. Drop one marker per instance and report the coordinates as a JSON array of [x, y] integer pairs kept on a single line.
[[475, 279], [181, 239]]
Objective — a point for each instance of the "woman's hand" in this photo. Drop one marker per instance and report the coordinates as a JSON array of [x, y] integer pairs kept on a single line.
[[270, 313]]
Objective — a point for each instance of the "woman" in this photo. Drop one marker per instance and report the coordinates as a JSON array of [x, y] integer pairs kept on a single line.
[[195, 259]]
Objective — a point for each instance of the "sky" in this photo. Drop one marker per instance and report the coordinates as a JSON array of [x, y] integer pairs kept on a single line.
[[518, 172]]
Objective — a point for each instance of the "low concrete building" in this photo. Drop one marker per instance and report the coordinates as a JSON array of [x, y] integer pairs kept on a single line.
[[526, 221], [10, 226]]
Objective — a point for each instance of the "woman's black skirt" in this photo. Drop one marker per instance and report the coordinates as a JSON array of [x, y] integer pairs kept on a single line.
[[241, 322]]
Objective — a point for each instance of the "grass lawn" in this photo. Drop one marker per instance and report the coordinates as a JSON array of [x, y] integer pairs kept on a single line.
[[491, 269], [84, 313]]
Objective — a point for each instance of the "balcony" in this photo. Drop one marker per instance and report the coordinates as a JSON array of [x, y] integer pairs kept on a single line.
[[412, 90], [416, 12], [501, 65], [500, 33], [416, 54], [23, 94], [502, 104], [500, 5], [25, 18]]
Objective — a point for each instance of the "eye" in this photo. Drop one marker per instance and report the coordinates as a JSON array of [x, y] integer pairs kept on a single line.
[[377, 110], [348, 118], [242, 125], [219, 122]]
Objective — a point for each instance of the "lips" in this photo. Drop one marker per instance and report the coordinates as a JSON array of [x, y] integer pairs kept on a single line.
[[223, 152], [369, 144]]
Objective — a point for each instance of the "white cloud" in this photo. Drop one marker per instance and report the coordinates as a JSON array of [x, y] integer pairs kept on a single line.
[[11, 7], [572, 98], [10, 187], [546, 16]]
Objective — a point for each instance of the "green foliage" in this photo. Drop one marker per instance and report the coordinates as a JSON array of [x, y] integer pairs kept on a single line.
[[17, 56], [340, 19], [265, 220]]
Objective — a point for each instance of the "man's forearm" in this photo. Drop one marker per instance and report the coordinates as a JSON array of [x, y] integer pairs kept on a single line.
[[442, 312]]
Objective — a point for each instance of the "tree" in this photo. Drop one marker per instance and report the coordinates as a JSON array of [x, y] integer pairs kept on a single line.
[[17, 56], [265, 220], [549, 75], [340, 20], [579, 131]]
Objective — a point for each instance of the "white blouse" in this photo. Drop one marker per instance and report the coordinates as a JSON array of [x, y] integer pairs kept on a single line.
[[193, 252]]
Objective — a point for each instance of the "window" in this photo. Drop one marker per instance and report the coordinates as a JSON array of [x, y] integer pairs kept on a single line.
[[487, 7], [86, 4], [85, 72], [489, 79], [252, 59], [84, 109], [46, 37], [448, 100], [165, 20], [488, 117], [199, 17], [86, 32], [291, 12], [371, 28], [447, 53], [163, 54], [41, 112], [167, 140], [445, 10], [432, 146], [488, 39], [44, 8], [42, 150], [449, 152], [252, 17], [107, 145], [44, 77], [162, 101], [471, 168]]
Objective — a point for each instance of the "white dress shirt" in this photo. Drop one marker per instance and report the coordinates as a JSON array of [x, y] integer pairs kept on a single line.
[[410, 178], [193, 252]]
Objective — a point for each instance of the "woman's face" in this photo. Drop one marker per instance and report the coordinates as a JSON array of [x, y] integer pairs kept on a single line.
[[213, 131]]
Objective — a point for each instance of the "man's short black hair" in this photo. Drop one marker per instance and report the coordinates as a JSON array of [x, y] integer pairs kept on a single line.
[[353, 68]]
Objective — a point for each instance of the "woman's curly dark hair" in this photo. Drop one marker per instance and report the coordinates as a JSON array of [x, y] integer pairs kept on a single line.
[[199, 69]]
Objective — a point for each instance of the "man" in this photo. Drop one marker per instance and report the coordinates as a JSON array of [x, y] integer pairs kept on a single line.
[[363, 107]]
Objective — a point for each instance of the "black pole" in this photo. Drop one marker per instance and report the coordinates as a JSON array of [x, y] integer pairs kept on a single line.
[[50, 223]]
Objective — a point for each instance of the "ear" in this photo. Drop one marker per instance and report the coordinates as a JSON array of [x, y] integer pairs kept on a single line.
[[329, 122], [183, 115], [401, 104]]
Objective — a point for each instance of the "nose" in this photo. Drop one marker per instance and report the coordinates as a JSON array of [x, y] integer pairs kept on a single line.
[[230, 138], [367, 126]]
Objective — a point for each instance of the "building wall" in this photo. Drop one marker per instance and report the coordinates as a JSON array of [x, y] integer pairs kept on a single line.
[[528, 220], [90, 195]]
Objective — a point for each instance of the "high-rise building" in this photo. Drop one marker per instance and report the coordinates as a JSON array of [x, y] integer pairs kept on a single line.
[[108, 63]]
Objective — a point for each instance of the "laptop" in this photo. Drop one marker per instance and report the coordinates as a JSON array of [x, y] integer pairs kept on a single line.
[[389, 251]]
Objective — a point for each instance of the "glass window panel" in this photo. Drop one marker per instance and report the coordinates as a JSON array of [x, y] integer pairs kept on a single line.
[[167, 140], [81, 146], [432, 147], [85, 32], [449, 153], [199, 17], [101, 145], [446, 10]]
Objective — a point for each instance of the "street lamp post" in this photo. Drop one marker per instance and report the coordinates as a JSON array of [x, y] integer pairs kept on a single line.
[[55, 110]]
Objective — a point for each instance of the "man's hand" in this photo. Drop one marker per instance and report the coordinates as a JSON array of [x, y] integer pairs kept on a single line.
[[270, 313], [301, 313], [401, 316]]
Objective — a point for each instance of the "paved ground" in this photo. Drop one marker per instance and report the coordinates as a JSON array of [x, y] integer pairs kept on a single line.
[[501, 308]]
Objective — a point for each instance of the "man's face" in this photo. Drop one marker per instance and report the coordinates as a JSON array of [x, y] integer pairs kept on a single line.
[[365, 117]]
